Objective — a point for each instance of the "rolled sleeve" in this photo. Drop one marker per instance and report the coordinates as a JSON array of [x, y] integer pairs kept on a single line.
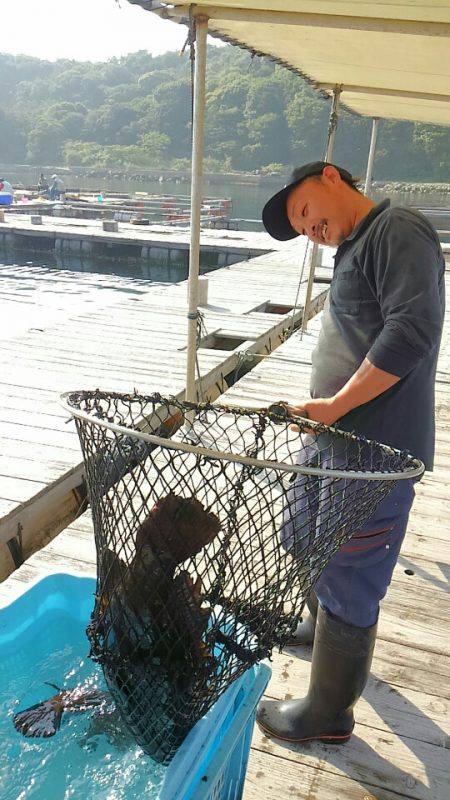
[[406, 276]]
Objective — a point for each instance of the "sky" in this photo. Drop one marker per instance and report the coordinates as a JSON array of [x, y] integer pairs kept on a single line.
[[85, 30]]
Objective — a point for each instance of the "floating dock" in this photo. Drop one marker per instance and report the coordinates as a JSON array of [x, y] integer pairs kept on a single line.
[[157, 243], [161, 210]]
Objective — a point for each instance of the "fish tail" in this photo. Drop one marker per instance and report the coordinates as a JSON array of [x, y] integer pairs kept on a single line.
[[39, 721]]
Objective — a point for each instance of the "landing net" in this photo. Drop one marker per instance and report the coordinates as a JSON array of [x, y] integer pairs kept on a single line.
[[212, 524]]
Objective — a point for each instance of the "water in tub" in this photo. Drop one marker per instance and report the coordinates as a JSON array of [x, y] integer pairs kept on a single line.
[[92, 755]]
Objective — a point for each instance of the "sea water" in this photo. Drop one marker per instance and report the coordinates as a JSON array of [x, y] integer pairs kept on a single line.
[[92, 755]]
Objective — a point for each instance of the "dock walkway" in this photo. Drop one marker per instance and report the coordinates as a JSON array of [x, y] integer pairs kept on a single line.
[[400, 746], [61, 330]]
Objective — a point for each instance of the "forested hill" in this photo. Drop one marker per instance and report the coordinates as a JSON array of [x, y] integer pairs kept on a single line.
[[135, 112]]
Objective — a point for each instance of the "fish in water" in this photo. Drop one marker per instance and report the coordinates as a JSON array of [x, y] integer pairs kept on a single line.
[[44, 719]]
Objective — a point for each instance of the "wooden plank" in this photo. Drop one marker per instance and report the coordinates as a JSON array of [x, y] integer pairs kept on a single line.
[[273, 777], [41, 470], [403, 711], [420, 771], [37, 526], [19, 489]]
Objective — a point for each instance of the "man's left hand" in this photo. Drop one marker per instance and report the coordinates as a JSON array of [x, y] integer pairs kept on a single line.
[[321, 409]]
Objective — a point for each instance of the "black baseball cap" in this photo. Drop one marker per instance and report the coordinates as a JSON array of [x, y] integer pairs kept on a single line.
[[274, 215]]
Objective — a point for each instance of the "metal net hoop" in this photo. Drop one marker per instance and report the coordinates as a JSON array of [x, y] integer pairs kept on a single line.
[[212, 524]]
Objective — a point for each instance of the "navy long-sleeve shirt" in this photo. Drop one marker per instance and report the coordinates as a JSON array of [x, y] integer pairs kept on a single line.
[[387, 301]]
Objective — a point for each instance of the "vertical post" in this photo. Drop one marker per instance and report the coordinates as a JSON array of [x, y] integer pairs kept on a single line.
[[201, 29], [332, 125], [370, 160]]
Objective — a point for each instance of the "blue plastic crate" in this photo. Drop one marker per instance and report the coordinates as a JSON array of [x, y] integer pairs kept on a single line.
[[212, 761]]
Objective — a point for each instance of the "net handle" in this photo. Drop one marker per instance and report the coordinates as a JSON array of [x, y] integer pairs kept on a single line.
[[415, 471]]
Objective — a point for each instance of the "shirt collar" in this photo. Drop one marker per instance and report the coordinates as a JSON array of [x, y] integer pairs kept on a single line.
[[365, 222]]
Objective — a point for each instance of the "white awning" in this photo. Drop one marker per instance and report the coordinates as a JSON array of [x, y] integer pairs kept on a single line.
[[392, 59]]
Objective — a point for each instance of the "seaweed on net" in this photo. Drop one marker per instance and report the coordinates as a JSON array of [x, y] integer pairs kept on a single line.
[[209, 540]]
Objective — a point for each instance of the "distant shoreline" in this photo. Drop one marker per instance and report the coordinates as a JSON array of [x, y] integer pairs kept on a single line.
[[183, 177]]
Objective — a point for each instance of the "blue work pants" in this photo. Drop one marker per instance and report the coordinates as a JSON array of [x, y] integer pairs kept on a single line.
[[357, 576]]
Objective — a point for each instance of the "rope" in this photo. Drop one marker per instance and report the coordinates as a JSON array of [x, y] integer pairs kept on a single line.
[[289, 331], [201, 333], [190, 40], [244, 357]]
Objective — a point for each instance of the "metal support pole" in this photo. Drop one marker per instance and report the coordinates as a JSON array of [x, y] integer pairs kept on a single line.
[[332, 125], [201, 29], [370, 160]]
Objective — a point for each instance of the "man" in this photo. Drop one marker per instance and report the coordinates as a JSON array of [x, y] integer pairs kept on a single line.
[[6, 192], [373, 372], [42, 185], [56, 188]]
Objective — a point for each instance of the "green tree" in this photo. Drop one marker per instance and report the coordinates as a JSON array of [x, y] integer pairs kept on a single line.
[[76, 85], [172, 115], [106, 123], [154, 145], [44, 143], [11, 138], [433, 142]]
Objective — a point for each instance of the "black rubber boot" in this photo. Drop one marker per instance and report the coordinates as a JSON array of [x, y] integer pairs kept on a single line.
[[340, 666], [304, 633]]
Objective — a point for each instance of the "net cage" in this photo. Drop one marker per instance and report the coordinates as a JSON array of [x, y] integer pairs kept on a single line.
[[212, 525]]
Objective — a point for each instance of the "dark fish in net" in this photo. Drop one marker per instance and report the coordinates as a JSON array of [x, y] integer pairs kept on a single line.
[[148, 627]]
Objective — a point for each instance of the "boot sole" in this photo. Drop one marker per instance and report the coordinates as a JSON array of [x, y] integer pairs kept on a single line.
[[326, 739]]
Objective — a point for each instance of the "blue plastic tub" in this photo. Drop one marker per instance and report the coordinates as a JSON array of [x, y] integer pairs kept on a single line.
[[212, 761]]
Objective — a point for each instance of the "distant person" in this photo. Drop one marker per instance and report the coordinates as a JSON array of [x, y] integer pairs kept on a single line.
[[6, 192], [56, 188], [42, 184]]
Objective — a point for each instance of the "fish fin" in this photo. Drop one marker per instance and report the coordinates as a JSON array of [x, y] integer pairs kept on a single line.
[[82, 699], [53, 685], [40, 720]]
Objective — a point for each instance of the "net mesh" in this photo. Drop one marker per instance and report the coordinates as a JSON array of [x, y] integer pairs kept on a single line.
[[205, 563]]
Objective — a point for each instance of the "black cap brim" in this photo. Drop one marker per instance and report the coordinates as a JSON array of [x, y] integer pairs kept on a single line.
[[274, 214], [275, 218]]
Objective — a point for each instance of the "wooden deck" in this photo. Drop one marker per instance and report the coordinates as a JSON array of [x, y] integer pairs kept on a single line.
[[65, 330], [400, 745]]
